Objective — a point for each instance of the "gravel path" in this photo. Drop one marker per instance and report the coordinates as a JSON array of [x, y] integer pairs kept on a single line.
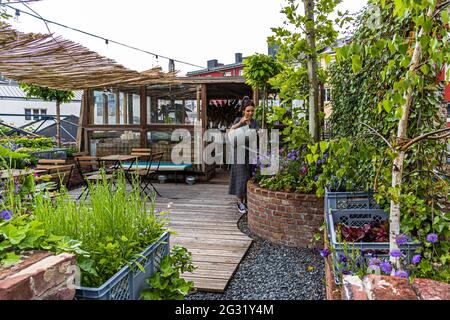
[[273, 272]]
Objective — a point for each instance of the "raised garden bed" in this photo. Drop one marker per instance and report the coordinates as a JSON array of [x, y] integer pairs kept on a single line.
[[128, 282], [286, 218]]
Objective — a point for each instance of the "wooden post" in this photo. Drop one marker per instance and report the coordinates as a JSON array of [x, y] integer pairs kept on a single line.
[[130, 108], [125, 108], [82, 121], [105, 109], [204, 105], [117, 107], [199, 97], [91, 108], [143, 105]]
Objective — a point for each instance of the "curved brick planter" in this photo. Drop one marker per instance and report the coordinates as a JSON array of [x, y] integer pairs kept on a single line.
[[286, 218]]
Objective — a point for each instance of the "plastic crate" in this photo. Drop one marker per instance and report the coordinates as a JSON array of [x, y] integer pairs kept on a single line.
[[349, 200], [128, 283], [357, 218]]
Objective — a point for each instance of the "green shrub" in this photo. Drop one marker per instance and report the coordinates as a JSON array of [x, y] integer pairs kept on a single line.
[[114, 227], [167, 284]]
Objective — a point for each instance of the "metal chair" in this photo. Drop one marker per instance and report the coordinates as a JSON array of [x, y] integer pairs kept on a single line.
[[93, 175], [149, 172]]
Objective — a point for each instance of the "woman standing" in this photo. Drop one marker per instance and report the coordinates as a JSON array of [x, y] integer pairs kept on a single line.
[[241, 173]]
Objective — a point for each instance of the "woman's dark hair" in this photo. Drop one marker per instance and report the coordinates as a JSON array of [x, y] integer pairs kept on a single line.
[[246, 101]]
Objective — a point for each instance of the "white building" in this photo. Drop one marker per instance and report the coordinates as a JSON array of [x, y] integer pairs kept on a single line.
[[17, 110]]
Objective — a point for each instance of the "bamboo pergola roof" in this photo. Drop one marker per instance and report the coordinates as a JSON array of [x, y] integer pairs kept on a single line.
[[54, 62]]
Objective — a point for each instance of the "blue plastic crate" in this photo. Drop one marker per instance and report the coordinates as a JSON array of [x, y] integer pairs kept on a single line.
[[128, 283], [357, 218], [349, 200]]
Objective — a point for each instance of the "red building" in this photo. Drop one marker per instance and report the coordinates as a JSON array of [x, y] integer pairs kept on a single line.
[[216, 69]]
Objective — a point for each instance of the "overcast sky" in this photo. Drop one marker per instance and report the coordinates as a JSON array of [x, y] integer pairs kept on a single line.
[[189, 30]]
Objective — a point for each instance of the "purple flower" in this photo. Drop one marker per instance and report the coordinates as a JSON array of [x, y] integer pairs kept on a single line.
[[386, 267], [325, 252], [396, 253], [416, 259], [342, 258], [432, 237], [374, 267], [401, 239], [316, 178], [319, 162], [374, 262], [401, 274], [6, 214]]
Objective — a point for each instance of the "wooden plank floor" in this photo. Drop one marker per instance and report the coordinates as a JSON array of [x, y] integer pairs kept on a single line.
[[204, 218]]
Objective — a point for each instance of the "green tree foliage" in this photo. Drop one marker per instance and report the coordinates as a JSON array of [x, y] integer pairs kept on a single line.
[[47, 94], [258, 70], [387, 104], [305, 34]]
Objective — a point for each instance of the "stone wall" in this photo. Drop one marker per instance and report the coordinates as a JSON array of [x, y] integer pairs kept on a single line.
[[40, 276], [285, 218]]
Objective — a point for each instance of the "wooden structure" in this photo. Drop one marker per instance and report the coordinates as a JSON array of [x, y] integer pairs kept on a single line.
[[116, 119], [121, 108]]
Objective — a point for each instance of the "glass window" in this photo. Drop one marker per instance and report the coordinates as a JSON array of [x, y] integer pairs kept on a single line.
[[105, 143], [171, 112], [27, 114], [227, 74], [120, 107], [36, 114]]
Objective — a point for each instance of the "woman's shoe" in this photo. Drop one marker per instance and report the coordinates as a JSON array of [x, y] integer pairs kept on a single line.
[[241, 207]]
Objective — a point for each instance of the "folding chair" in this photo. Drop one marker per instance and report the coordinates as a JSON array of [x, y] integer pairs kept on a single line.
[[92, 174], [150, 171]]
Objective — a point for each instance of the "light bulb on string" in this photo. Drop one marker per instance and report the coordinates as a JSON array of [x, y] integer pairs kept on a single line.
[[17, 15]]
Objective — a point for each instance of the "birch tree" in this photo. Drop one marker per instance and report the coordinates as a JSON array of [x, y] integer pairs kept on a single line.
[[308, 30]]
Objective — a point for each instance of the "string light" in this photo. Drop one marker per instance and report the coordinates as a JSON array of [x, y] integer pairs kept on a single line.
[[17, 15], [107, 41]]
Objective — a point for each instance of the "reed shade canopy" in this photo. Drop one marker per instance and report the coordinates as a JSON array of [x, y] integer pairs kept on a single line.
[[54, 62]]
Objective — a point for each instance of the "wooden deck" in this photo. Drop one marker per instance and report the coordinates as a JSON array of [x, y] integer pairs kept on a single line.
[[205, 218]]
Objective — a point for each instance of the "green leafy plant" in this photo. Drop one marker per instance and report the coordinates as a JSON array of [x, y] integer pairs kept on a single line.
[[378, 89], [20, 233], [114, 227], [258, 70], [167, 284]]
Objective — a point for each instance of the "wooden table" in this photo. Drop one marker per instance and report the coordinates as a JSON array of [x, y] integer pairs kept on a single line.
[[6, 174], [58, 167], [117, 159]]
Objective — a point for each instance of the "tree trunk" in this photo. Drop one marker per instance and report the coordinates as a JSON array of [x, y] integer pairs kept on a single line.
[[58, 124], [397, 168], [312, 72], [263, 124]]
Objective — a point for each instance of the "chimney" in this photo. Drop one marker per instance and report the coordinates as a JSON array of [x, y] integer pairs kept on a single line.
[[238, 57], [212, 63]]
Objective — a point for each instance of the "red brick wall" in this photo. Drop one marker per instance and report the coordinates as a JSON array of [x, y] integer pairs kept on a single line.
[[285, 218], [40, 276], [377, 287]]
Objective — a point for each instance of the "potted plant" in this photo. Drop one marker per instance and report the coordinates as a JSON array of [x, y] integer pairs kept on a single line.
[[123, 235]]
